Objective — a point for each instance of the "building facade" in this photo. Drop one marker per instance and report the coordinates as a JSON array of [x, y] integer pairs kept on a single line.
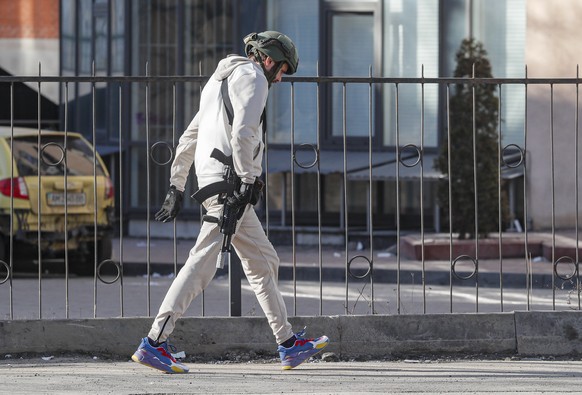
[[29, 43], [378, 38]]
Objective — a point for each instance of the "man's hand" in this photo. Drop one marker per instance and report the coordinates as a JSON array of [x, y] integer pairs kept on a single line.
[[242, 197], [172, 205]]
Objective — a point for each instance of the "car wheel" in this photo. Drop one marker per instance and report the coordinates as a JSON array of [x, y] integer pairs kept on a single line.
[[86, 261], [3, 249], [104, 249]]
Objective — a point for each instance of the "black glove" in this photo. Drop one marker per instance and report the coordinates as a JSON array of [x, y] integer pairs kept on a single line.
[[258, 187], [172, 205], [242, 197]]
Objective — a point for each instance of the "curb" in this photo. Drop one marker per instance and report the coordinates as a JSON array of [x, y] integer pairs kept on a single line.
[[366, 337]]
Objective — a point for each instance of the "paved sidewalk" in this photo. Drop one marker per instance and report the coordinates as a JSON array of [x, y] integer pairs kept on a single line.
[[83, 375]]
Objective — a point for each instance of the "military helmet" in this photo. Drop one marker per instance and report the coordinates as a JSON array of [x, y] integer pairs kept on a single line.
[[276, 45]]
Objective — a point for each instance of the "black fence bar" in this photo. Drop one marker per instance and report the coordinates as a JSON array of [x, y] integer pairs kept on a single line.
[[395, 269]]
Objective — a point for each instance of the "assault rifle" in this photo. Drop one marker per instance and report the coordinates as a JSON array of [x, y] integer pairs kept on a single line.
[[230, 215]]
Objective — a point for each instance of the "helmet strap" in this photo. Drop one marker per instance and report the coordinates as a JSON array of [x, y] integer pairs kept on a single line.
[[270, 75]]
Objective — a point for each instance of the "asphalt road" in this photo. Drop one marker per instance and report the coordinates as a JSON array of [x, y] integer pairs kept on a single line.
[[82, 297], [84, 375]]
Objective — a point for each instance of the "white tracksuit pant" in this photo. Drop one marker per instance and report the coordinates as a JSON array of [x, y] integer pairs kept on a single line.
[[259, 261]]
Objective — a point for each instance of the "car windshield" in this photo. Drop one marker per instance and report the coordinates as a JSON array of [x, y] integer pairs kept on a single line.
[[79, 158]]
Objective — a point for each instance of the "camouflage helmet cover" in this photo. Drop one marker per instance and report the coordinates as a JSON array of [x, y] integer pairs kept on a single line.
[[276, 45]]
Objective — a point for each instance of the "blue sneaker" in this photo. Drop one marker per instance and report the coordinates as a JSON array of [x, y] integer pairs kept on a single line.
[[301, 351], [158, 357]]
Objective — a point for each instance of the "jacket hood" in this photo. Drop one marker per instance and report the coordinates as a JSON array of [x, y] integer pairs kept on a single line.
[[227, 65]]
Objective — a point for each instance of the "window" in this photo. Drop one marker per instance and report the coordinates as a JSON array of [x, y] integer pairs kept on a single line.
[[79, 156], [411, 42], [350, 41], [501, 29], [117, 37], [173, 38], [68, 38], [92, 39], [351, 35], [299, 19]]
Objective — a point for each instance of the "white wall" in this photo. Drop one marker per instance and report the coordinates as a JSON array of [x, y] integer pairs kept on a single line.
[[21, 57], [552, 51]]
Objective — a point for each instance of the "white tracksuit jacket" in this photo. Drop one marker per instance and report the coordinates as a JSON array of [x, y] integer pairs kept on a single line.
[[248, 89]]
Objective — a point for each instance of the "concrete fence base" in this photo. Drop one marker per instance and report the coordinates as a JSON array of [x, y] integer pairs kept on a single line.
[[374, 336]]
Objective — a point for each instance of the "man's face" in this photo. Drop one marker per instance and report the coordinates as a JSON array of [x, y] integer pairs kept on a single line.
[[270, 64]]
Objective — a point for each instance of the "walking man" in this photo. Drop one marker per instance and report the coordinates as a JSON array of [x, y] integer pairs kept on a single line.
[[230, 119]]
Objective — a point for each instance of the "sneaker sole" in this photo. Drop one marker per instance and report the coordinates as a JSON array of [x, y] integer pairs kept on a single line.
[[165, 369], [318, 347]]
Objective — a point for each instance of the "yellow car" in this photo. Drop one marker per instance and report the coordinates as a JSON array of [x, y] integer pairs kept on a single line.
[[66, 210]]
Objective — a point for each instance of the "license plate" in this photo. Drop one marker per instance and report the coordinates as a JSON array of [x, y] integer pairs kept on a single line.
[[58, 199]]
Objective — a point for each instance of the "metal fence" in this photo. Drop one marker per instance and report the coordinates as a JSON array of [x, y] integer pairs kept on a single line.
[[344, 278]]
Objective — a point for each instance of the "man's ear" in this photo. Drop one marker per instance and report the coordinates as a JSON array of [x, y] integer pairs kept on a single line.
[[268, 62]]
